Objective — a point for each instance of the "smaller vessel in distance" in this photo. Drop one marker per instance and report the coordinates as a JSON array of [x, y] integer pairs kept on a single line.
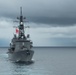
[[20, 49]]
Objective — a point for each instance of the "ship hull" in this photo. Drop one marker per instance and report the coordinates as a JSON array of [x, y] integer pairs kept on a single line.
[[21, 56]]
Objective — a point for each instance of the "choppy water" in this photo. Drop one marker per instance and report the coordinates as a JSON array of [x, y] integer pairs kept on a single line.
[[47, 61]]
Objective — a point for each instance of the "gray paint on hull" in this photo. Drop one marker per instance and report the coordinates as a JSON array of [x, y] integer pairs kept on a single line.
[[21, 56]]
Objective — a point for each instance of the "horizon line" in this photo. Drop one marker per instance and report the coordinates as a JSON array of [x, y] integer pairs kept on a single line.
[[47, 47]]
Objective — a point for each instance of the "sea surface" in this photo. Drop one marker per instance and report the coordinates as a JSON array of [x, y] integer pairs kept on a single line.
[[46, 61]]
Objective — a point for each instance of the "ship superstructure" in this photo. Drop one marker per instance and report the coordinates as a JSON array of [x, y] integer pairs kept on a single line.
[[20, 46]]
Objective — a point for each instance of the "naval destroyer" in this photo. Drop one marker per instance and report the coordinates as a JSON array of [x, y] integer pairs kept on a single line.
[[20, 49]]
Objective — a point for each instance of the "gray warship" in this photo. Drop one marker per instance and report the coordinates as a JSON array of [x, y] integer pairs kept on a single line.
[[20, 49]]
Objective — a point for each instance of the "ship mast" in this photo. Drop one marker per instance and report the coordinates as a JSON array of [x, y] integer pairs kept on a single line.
[[21, 17], [21, 25]]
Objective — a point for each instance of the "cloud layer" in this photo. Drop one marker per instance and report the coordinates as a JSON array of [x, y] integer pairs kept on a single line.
[[43, 35], [61, 12]]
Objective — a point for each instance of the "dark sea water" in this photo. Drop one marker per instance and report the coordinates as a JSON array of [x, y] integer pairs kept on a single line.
[[47, 61]]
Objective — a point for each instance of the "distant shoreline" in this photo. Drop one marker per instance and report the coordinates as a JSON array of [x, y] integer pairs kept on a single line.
[[49, 47]]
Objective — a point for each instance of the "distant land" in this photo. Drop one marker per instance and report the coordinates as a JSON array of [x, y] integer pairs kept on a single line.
[[49, 47]]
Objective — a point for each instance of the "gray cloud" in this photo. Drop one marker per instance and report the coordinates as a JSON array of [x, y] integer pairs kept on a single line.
[[41, 11], [54, 21]]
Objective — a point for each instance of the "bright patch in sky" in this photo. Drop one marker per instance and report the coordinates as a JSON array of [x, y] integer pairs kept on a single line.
[[40, 34]]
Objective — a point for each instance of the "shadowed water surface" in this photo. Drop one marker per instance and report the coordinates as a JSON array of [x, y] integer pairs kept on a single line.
[[46, 61]]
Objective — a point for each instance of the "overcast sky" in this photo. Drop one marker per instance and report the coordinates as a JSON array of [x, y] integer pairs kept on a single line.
[[52, 22], [61, 12]]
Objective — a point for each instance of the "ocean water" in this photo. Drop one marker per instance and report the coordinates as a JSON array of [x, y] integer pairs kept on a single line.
[[47, 61]]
